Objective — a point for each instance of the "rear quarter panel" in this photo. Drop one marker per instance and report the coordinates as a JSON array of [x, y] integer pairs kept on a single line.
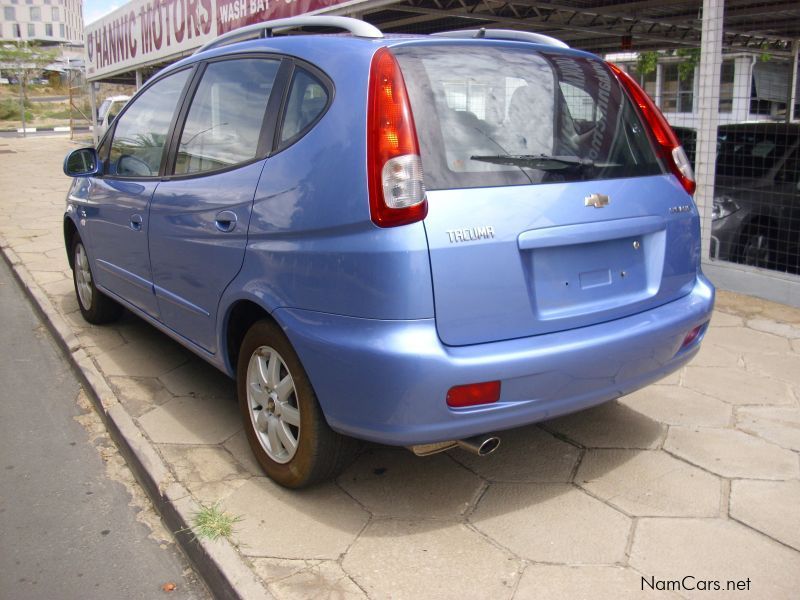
[[311, 243]]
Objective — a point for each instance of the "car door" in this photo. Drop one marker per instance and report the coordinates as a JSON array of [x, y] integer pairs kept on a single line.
[[199, 215], [114, 214]]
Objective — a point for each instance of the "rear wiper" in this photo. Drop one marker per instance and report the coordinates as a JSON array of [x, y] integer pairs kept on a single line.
[[542, 161]]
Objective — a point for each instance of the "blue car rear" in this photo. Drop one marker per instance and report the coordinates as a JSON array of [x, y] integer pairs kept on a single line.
[[437, 238]]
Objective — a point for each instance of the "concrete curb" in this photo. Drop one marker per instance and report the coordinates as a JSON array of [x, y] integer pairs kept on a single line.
[[218, 563], [56, 129]]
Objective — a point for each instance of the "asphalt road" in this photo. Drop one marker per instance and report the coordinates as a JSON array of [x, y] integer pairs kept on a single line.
[[67, 530]]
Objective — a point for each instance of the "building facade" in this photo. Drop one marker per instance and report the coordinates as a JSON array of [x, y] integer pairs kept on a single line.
[[752, 87], [44, 21]]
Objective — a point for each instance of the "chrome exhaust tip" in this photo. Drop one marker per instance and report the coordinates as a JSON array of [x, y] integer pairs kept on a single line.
[[482, 445]]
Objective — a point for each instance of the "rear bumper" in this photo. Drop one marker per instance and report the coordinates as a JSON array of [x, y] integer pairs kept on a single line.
[[386, 381]]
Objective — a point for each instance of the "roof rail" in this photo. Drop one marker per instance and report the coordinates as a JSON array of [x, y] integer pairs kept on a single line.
[[357, 27], [503, 34]]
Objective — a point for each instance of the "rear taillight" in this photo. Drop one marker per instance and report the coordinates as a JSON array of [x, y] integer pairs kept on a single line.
[[669, 148], [394, 167]]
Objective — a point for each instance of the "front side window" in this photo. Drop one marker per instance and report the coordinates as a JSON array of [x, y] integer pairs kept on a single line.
[[55, 13], [31, 30], [490, 116], [48, 30], [224, 122], [141, 132], [36, 13], [9, 13]]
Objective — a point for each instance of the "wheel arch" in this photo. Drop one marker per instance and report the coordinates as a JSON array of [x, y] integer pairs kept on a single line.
[[240, 316], [70, 231]]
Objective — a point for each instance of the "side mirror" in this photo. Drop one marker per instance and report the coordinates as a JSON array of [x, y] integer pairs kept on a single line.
[[83, 162]]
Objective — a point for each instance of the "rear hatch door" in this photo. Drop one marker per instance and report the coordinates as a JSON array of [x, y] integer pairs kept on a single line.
[[548, 209]]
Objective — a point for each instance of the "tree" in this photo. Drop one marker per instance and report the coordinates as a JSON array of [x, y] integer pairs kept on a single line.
[[647, 61], [25, 61]]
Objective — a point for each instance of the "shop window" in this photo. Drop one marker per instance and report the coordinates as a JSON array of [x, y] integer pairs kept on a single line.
[[646, 80], [677, 91], [726, 86]]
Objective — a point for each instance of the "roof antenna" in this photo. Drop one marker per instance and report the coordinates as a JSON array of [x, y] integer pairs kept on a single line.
[[481, 33]]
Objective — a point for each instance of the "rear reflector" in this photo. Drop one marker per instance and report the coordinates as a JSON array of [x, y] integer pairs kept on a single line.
[[669, 149], [394, 168], [692, 336], [473, 394]]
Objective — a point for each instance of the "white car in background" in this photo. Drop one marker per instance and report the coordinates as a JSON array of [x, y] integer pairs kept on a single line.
[[109, 110]]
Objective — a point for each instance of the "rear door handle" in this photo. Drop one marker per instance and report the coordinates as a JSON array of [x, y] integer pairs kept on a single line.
[[136, 222], [226, 221]]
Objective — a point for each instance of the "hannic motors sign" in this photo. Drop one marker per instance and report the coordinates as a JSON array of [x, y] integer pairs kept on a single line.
[[147, 31]]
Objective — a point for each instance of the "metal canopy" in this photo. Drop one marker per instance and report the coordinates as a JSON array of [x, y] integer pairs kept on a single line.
[[601, 25]]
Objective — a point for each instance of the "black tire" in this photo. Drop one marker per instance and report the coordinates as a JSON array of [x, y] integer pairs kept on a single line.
[[96, 307], [320, 453], [757, 249]]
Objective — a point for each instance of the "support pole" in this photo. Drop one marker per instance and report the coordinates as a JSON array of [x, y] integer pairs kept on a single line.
[[708, 103], [93, 105], [792, 96], [71, 102], [138, 79], [22, 102]]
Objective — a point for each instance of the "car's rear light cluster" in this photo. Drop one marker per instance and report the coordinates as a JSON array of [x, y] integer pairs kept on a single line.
[[669, 148], [396, 186]]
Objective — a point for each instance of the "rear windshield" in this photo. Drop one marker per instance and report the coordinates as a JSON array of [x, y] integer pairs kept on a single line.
[[750, 154], [493, 116]]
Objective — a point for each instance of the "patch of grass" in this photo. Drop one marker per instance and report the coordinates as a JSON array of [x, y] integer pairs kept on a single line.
[[59, 114], [9, 110], [212, 522]]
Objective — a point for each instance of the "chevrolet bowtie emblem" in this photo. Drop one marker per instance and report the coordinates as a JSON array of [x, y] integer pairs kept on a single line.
[[596, 200]]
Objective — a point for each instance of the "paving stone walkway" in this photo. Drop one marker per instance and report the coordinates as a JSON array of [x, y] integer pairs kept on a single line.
[[697, 476]]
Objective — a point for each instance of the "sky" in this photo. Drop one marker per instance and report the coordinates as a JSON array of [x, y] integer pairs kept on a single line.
[[94, 9]]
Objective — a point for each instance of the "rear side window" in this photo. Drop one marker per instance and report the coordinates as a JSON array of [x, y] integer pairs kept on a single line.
[[307, 100], [491, 116], [224, 122], [141, 132]]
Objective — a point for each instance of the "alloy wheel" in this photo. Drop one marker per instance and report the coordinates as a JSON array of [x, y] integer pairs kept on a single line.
[[272, 399], [83, 277]]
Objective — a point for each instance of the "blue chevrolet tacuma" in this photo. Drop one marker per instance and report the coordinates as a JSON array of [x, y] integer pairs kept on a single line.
[[414, 240]]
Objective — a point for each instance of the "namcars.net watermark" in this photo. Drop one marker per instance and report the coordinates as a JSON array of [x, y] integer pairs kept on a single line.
[[691, 583]]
